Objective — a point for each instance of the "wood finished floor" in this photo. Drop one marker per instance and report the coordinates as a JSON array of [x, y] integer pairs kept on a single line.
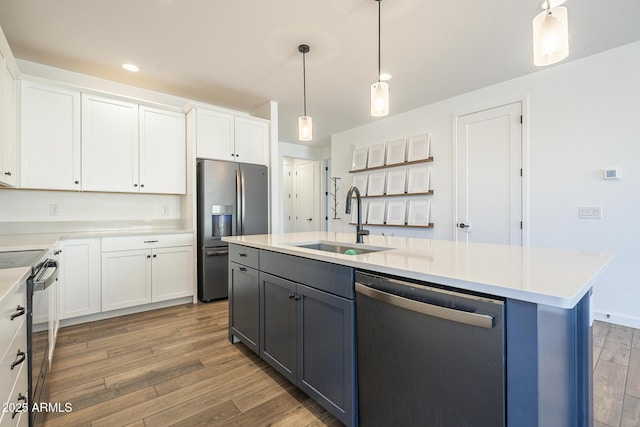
[[175, 367]]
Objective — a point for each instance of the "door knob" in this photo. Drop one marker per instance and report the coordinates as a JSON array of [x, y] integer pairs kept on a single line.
[[463, 225]]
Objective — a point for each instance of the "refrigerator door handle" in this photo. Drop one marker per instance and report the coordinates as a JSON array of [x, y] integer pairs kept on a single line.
[[243, 209], [238, 204]]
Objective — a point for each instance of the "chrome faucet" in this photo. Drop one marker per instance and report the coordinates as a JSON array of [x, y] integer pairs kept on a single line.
[[359, 230]]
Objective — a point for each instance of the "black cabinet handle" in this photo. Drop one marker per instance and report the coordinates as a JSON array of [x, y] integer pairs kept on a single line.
[[297, 298], [76, 182], [243, 268], [243, 255], [20, 398], [141, 185], [19, 312], [291, 295], [155, 255], [20, 357], [135, 185], [8, 173], [148, 256]]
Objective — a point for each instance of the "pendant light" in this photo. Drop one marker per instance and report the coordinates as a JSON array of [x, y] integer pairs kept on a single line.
[[305, 123], [380, 89], [550, 35]]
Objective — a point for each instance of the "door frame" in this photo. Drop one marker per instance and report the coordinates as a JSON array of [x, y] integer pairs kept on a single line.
[[526, 175]]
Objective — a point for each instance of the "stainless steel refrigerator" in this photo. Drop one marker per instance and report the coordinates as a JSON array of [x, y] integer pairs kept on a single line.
[[232, 201]]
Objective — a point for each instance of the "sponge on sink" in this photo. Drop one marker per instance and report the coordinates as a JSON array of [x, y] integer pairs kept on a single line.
[[350, 252]]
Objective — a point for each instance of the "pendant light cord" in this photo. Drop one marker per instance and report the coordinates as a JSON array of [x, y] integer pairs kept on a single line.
[[304, 81], [379, 39]]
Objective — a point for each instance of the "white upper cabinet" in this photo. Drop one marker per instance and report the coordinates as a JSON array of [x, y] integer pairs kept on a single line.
[[214, 135], [162, 151], [109, 144], [8, 123], [50, 137], [251, 140], [224, 136]]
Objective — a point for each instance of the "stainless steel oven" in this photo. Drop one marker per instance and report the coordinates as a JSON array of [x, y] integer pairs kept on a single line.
[[44, 274]]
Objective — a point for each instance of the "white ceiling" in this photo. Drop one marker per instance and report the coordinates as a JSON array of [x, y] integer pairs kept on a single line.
[[240, 54]]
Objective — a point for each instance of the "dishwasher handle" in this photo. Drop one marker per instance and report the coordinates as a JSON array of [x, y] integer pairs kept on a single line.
[[482, 320]]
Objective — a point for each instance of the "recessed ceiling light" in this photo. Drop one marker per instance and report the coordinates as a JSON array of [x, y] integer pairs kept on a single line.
[[130, 67], [554, 3], [385, 77]]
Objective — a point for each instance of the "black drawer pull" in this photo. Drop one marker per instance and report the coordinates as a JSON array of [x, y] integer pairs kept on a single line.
[[243, 255], [20, 357], [19, 312], [151, 241], [243, 268], [20, 398]]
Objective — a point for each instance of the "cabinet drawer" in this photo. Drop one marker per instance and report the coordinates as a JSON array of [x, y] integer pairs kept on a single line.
[[150, 241], [245, 255], [17, 388], [17, 296], [16, 353]]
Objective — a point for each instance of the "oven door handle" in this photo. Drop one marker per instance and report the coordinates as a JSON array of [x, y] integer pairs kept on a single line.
[[43, 278]]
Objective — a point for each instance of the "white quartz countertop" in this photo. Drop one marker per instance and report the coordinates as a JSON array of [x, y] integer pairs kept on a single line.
[[553, 277], [9, 277]]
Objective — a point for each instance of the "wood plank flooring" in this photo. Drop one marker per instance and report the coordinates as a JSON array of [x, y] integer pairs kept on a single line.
[[175, 367]]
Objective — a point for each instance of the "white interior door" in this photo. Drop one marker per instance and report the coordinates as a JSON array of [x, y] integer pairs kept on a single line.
[[307, 197], [489, 176], [287, 196]]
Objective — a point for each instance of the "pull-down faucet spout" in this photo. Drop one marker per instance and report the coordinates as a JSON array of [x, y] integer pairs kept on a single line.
[[359, 230]]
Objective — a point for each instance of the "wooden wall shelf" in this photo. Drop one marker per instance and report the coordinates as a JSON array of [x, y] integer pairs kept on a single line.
[[415, 162]]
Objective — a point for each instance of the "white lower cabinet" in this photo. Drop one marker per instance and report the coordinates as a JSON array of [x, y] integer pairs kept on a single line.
[[145, 269], [79, 282]]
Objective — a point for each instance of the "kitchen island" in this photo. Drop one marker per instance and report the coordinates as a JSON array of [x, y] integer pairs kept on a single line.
[[546, 295]]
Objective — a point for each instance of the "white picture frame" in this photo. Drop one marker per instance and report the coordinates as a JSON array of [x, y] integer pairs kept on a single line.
[[376, 184], [361, 181], [396, 212], [375, 213], [419, 177], [419, 147], [396, 151], [359, 160], [376, 155], [397, 181], [354, 212], [419, 212]]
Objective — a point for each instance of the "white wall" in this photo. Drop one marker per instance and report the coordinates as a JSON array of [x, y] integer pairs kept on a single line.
[[583, 116]]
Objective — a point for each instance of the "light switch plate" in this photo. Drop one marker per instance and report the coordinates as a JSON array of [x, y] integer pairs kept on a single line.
[[590, 212]]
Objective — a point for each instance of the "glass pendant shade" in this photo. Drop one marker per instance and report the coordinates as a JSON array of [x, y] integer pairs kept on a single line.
[[305, 128], [550, 36], [379, 99]]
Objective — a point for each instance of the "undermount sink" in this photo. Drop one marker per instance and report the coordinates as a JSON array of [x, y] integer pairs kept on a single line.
[[341, 248]]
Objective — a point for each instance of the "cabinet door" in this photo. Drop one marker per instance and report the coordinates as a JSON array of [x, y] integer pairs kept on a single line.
[[162, 151], [171, 273], [251, 140], [244, 305], [214, 135], [278, 313], [50, 137], [80, 288], [8, 137], [126, 279], [326, 350], [109, 144]]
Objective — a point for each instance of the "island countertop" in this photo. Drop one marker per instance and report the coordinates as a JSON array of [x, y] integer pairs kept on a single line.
[[554, 277]]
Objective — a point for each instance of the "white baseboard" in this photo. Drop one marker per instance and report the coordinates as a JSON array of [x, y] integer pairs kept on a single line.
[[632, 322]]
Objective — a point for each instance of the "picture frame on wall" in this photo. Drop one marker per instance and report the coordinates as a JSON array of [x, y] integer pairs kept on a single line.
[[396, 212], [419, 147], [360, 181], [396, 181], [375, 213], [396, 151], [419, 212], [359, 160], [376, 155], [419, 177], [376, 184]]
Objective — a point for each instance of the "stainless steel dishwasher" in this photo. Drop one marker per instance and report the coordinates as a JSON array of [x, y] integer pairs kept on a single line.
[[428, 356]]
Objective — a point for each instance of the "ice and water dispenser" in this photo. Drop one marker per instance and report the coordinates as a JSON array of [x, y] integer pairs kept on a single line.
[[221, 221]]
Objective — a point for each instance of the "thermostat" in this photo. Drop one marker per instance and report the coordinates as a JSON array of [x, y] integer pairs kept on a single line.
[[612, 173]]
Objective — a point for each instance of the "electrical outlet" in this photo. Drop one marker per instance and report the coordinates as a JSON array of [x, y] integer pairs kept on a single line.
[[54, 209], [590, 212]]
